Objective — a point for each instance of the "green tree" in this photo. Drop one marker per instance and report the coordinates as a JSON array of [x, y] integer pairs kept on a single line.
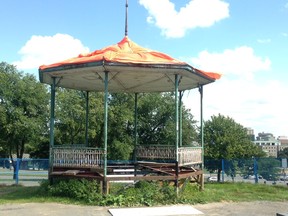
[[156, 121], [41, 151], [226, 139], [121, 126], [23, 108], [156, 113], [269, 168], [96, 119], [69, 116], [283, 153]]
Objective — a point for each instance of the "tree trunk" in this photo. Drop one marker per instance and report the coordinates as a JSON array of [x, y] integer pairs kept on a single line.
[[219, 175]]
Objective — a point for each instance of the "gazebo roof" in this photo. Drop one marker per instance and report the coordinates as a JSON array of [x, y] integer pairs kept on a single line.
[[131, 68]]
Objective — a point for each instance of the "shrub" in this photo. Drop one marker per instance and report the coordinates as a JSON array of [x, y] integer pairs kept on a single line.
[[143, 193], [78, 189]]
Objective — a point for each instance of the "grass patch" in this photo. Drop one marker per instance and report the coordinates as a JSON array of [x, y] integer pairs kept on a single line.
[[35, 194], [141, 194], [240, 192]]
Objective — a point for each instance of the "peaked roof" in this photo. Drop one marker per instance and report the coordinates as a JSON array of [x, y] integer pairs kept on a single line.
[[131, 68]]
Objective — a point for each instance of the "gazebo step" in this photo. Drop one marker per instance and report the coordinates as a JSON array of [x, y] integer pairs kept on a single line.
[[71, 172]]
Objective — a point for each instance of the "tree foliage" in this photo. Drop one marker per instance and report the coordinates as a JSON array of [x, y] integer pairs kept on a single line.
[[283, 153], [120, 126], [23, 108], [156, 114], [156, 121], [226, 139], [268, 168], [70, 116], [24, 118]]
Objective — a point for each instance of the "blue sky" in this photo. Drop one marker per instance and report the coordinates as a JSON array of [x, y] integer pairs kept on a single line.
[[246, 41]]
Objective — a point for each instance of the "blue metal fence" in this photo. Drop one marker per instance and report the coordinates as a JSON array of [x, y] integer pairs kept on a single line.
[[30, 172], [254, 170], [23, 171]]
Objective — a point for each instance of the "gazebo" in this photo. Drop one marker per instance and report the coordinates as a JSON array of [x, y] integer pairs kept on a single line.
[[129, 68]]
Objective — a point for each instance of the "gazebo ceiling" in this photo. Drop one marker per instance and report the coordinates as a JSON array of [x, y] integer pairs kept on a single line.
[[131, 68]]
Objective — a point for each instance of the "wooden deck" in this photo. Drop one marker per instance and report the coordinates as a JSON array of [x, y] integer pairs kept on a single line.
[[152, 163], [144, 171]]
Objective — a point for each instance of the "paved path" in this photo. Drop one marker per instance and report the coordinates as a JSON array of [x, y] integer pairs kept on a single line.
[[261, 208], [212, 209]]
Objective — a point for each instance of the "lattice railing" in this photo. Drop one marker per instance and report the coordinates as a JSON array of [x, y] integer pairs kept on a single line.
[[190, 155], [154, 152], [186, 155], [77, 156], [86, 157]]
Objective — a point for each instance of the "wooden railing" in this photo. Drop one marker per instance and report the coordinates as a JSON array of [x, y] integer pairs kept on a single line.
[[76, 156], [186, 155]]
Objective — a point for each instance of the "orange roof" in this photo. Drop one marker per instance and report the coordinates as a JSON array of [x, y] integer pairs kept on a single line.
[[132, 67], [126, 51]]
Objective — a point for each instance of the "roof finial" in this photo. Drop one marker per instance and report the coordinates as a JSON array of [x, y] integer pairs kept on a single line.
[[126, 19]]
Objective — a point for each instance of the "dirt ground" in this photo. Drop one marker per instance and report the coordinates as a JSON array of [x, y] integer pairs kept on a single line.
[[213, 209]]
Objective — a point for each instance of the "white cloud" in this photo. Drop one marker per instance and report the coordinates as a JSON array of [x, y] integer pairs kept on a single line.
[[264, 41], [256, 105], [240, 61], [197, 13], [41, 50], [260, 105]]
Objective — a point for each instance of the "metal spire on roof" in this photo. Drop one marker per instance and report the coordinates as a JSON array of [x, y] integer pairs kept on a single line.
[[126, 19]]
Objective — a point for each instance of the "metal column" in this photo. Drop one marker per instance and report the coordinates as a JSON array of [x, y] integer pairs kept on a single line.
[[180, 118], [176, 116], [52, 111], [105, 185], [135, 132], [52, 122], [87, 119], [177, 132], [202, 135]]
